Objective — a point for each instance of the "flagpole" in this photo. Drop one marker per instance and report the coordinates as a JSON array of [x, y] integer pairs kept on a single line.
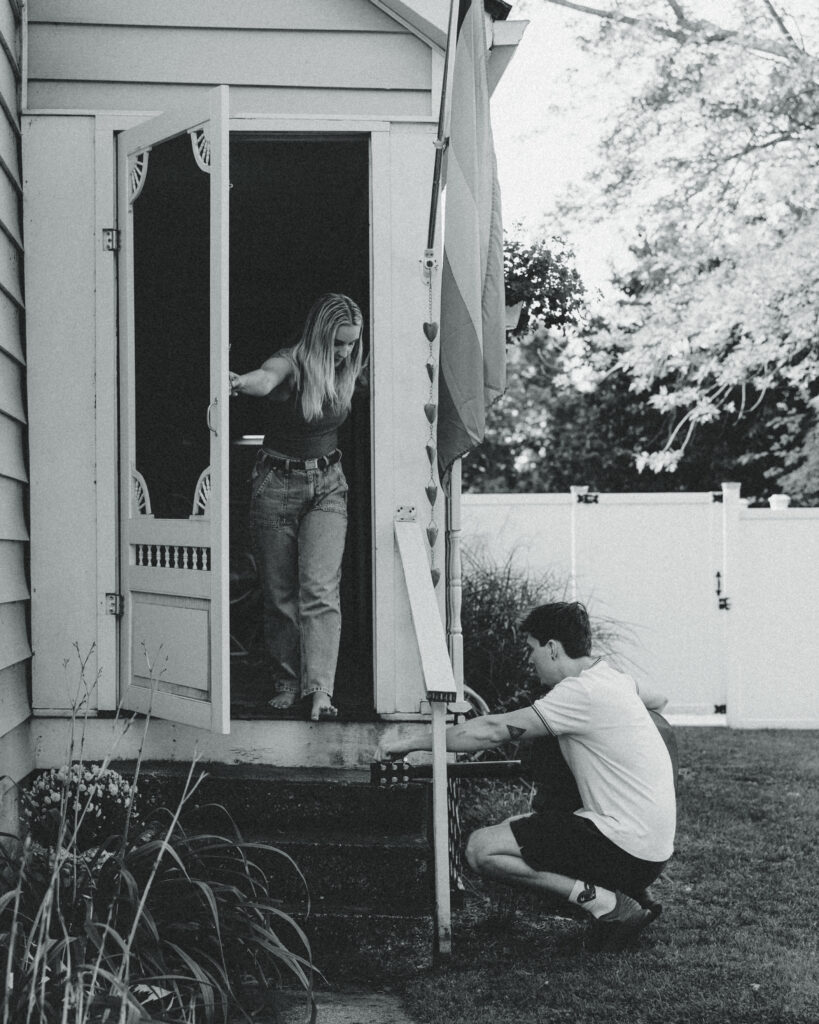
[[452, 486], [440, 803], [444, 113]]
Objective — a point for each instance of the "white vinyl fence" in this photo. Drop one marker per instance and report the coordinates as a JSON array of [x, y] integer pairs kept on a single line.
[[718, 604]]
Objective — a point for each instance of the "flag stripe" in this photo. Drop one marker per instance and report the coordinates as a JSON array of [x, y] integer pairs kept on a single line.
[[473, 335]]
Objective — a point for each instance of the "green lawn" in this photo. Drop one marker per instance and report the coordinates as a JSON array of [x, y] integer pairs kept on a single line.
[[738, 938]]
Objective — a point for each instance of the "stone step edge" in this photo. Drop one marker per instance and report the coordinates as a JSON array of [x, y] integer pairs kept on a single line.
[[340, 839], [247, 772], [394, 909]]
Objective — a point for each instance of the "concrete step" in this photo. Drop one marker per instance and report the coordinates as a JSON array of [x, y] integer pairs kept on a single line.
[[278, 800], [356, 845], [348, 867]]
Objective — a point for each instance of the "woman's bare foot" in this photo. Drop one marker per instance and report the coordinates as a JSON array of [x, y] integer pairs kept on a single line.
[[322, 707], [283, 700]]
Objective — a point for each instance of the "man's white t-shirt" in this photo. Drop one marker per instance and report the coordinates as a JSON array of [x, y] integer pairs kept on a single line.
[[618, 758]]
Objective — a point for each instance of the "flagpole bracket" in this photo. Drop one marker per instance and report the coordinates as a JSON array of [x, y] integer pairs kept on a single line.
[[428, 263]]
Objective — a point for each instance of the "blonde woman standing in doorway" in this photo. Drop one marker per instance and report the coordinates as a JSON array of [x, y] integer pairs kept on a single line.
[[298, 508]]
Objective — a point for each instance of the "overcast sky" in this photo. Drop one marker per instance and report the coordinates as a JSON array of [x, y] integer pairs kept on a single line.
[[547, 113]]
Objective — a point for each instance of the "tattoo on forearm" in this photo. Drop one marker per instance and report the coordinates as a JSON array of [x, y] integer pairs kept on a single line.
[[514, 732]]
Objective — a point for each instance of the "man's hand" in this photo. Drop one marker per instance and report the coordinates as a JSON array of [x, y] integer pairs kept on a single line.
[[391, 748]]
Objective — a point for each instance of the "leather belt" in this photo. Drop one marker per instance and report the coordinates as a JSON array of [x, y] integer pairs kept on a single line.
[[286, 465]]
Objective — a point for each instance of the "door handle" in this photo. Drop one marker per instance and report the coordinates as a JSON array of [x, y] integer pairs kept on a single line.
[[208, 417]]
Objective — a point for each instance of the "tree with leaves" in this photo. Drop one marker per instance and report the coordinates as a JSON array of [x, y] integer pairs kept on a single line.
[[571, 416], [712, 157]]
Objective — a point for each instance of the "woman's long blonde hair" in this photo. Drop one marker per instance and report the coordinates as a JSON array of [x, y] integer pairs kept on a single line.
[[318, 379]]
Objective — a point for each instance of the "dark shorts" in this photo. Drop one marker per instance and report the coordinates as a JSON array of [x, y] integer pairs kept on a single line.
[[566, 844]]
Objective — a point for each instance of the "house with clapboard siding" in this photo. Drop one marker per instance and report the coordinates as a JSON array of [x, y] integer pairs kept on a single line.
[[16, 754], [193, 175]]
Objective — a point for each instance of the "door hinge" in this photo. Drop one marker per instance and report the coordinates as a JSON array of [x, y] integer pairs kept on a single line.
[[110, 240], [114, 604]]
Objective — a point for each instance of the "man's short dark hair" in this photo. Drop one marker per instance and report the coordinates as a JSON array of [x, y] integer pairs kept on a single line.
[[566, 621]]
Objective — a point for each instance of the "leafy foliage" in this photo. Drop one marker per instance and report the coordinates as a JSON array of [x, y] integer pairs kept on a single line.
[[544, 278], [109, 917], [496, 597], [572, 415], [711, 160], [176, 924]]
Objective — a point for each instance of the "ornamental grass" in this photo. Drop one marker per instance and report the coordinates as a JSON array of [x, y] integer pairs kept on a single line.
[[114, 913]]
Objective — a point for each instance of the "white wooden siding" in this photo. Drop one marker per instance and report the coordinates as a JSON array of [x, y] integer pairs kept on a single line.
[[61, 250], [345, 57], [11, 328], [9, 147], [284, 102], [15, 651], [11, 388], [14, 646], [284, 15], [14, 706]]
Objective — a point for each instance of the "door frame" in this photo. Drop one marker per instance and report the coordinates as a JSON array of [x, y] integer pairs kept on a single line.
[[106, 128]]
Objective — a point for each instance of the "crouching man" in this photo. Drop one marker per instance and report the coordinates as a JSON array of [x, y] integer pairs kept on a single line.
[[602, 853]]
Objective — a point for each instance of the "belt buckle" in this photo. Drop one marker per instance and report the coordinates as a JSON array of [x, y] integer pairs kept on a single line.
[[311, 463]]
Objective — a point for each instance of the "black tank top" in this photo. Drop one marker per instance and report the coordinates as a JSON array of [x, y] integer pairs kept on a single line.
[[288, 432]]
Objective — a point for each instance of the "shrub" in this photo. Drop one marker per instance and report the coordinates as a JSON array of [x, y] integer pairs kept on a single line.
[[106, 917], [158, 923], [496, 597], [92, 800]]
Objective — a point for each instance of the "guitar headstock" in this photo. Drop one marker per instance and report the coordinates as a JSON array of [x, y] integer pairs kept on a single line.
[[390, 773]]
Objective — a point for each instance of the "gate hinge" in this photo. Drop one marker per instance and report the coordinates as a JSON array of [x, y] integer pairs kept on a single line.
[[723, 603], [114, 604], [110, 240]]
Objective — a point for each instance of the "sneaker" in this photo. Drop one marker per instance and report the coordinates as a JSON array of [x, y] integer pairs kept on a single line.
[[645, 900], [615, 930]]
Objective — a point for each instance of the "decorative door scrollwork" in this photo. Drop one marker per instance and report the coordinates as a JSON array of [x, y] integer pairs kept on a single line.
[[140, 498], [137, 174], [200, 141]]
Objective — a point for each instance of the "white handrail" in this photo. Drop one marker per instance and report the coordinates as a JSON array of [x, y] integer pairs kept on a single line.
[[441, 694]]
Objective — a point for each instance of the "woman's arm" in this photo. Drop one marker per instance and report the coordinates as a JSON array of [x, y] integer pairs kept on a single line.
[[261, 382]]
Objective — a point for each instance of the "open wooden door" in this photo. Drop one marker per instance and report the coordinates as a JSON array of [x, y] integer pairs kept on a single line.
[[173, 319]]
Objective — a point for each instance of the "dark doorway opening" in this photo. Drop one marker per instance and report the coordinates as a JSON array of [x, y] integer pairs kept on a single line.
[[299, 226]]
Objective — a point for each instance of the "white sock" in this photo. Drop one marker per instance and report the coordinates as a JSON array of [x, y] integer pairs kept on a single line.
[[594, 899]]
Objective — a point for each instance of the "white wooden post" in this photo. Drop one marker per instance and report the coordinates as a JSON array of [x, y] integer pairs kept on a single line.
[[574, 491], [441, 692], [731, 505], [440, 833], [454, 584]]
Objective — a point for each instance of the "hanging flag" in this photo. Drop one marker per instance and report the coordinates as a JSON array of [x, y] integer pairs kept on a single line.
[[473, 330]]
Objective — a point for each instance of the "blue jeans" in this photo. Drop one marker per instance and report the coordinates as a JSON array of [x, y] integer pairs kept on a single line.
[[298, 524]]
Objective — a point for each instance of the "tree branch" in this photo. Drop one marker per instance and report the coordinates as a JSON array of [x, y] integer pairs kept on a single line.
[[688, 29], [679, 13], [777, 18], [624, 19]]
